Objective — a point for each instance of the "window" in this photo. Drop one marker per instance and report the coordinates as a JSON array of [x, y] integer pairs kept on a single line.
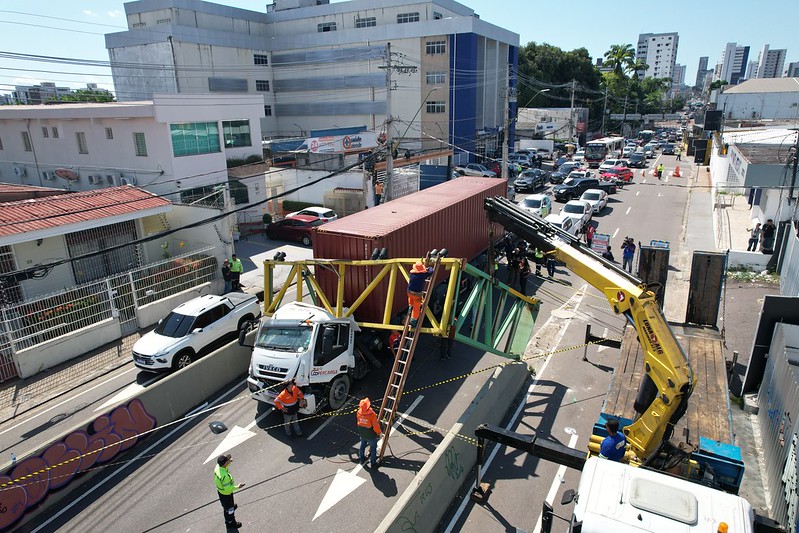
[[45, 132], [236, 133], [83, 148], [435, 107], [435, 78], [139, 25], [194, 138], [262, 85], [437, 15], [267, 110], [368, 22], [1, 144], [55, 132], [139, 144], [26, 141], [163, 21], [334, 338], [326, 26], [260, 59], [109, 133], [436, 47], [402, 18]]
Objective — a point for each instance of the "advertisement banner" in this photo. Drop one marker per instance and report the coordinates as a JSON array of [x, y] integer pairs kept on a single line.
[[342, 143], [600, 243]]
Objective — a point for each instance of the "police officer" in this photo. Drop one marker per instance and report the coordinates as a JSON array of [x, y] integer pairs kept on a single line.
[[225, 487]]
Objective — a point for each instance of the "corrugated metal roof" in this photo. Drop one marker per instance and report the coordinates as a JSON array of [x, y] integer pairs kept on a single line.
[[765, 85], [42, 213], [388, 217]]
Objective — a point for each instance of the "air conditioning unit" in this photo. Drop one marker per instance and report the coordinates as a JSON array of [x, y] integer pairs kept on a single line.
[[127, 180], [111, 179], [91, 179], [48, 175], [19, 171]]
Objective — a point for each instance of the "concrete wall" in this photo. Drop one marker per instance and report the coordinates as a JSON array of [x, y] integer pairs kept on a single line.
[[316, 193], [29, 254], [755, 261], [150, 314], [747, 106], [47, 355], [429, 495]]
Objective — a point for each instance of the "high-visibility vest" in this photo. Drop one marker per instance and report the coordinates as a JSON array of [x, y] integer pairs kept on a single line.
[[223, 480]]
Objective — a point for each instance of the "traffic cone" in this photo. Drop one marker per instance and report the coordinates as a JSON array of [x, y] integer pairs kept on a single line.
[[676, 173]]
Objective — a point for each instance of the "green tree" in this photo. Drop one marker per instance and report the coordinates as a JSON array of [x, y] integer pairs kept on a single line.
[[83, 95], [718, 84], [620, 57], [638, 65]]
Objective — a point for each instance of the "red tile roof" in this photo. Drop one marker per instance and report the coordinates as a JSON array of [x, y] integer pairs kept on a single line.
[[74, 208]]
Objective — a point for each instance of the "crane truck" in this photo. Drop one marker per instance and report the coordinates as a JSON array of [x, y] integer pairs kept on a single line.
[[645, 494]]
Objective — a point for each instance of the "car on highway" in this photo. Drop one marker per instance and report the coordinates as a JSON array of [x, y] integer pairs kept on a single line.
[[530, 180], [576, 184], [580, 210], [193, 329], [649, 151], [299, 228], [325, 214], [610, 163], [596, 198], [617, 174], [538, 204], [637, 160], [564, 222], [476, 169], [628, 150], [563, 171], [579, 156], [668, 149]]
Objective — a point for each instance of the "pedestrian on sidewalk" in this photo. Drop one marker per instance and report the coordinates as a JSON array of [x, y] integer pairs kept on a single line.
[[767, 234], [754, 236], [225, 487], [378, 192], [289, 402], [236, 270], [226, 276], [369, 431], [628, 254]]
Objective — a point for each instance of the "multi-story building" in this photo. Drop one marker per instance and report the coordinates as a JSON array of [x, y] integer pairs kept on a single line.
[[751, 70], [318, 65], [701, 71], [770, 62], [38, 94], [769, 98], [659, 51], [678, 79], [732, 66], [792, 71]]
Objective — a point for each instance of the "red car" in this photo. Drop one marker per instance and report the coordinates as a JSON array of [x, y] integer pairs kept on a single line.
[[618, 174], [297, 228]]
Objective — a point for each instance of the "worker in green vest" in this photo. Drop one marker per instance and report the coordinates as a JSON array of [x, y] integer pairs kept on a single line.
[[225, 487], [236, 270], [538, 255]]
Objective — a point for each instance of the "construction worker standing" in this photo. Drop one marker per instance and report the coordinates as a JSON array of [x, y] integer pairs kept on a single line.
[[660, 171], [538, 256], [369, 431], [289, 402], [236, 270], [225, 487], [416, 278]]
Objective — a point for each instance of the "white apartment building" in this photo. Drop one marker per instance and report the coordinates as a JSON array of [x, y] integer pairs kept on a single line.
[[678, 79], [771, 62], [792, 70], [317, 65], [175, 145], [659, 51], [732, 67]]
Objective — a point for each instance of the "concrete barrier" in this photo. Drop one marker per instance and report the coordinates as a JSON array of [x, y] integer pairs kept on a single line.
[[149, 314], [424, 502], [167, 400]]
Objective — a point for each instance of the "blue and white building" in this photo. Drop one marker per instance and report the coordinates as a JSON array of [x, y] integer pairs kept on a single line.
[[321, 66]]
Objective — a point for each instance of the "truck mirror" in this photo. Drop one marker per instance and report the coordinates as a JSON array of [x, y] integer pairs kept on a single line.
[[197, 330], [568, 497], [242, 335], [328, 336]]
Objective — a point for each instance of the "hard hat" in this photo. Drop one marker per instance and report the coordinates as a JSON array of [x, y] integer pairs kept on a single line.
[[418, 268]]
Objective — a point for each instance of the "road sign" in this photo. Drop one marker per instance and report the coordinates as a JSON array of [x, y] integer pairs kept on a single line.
[[659, 244]]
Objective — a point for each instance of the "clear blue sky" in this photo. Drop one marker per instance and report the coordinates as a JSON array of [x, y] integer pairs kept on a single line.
[[41, 28]]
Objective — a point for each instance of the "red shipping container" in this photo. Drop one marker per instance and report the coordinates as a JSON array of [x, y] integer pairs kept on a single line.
[[449, 215]]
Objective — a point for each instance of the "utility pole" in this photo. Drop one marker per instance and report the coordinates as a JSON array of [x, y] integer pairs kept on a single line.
[[604, 111], [388, 189], [507, 94], [571, 112], [624, 118], [795, 168]]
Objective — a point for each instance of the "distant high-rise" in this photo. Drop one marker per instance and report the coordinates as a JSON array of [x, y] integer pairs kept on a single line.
[[678, 79], [751, 70], [793, 70], [770, 62], [659, 51], [701, 71], [732, 67]]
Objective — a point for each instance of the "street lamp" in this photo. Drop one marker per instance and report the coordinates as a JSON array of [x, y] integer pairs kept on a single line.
[[302, 131]]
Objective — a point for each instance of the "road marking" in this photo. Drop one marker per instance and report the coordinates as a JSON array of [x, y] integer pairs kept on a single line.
[[628, 210], [615, 233], [328, 421], [37, 415], [660, 194], [346, 482], [237, 435], [602, 348], [637, 193], [574, 302], [124, 465], [127, 392], [643, 181], [553, 489]]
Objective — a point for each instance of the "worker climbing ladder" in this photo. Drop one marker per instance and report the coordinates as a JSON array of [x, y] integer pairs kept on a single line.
[[402, 361]]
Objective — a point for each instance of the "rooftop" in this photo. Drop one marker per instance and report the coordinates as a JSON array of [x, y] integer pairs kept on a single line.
[[765, 85], [764, 154]]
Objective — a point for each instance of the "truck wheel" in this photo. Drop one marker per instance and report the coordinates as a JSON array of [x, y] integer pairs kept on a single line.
[[306, 240], [339, 391], [182, 360]]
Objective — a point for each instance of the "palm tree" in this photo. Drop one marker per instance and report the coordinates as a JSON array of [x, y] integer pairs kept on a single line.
[[638, 65], [619, 58]]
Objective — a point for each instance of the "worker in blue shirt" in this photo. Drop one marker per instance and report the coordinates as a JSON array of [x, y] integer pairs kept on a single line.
[[613, 446], [416, 278]]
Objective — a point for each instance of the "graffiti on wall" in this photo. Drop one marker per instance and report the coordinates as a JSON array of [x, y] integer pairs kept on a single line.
[[27, 483]]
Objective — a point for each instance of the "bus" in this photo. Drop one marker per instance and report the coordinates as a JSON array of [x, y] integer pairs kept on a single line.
[[596, 151], [645, 136]]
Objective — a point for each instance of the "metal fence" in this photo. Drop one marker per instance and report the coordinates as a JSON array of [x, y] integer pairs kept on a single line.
[[26, 324]]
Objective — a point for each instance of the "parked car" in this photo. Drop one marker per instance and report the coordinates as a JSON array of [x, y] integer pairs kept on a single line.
[[596, 198], [544, 153], [193, 329], [579, 210], [617, 174], [520, 159], [495, 167], [579, 156], [610, 163], [476, 169], [564, 222], [325, 214], [668, 149], [637, 160], [574, 186], [538, 204], [530, 180], [299, 228], [563, 171]]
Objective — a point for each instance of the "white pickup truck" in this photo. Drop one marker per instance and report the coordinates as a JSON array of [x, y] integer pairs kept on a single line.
[[193, 329]]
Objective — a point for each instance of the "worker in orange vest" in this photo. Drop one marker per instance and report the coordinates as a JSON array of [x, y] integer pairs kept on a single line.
[[369, 431], [418, 275], [289, 402]]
